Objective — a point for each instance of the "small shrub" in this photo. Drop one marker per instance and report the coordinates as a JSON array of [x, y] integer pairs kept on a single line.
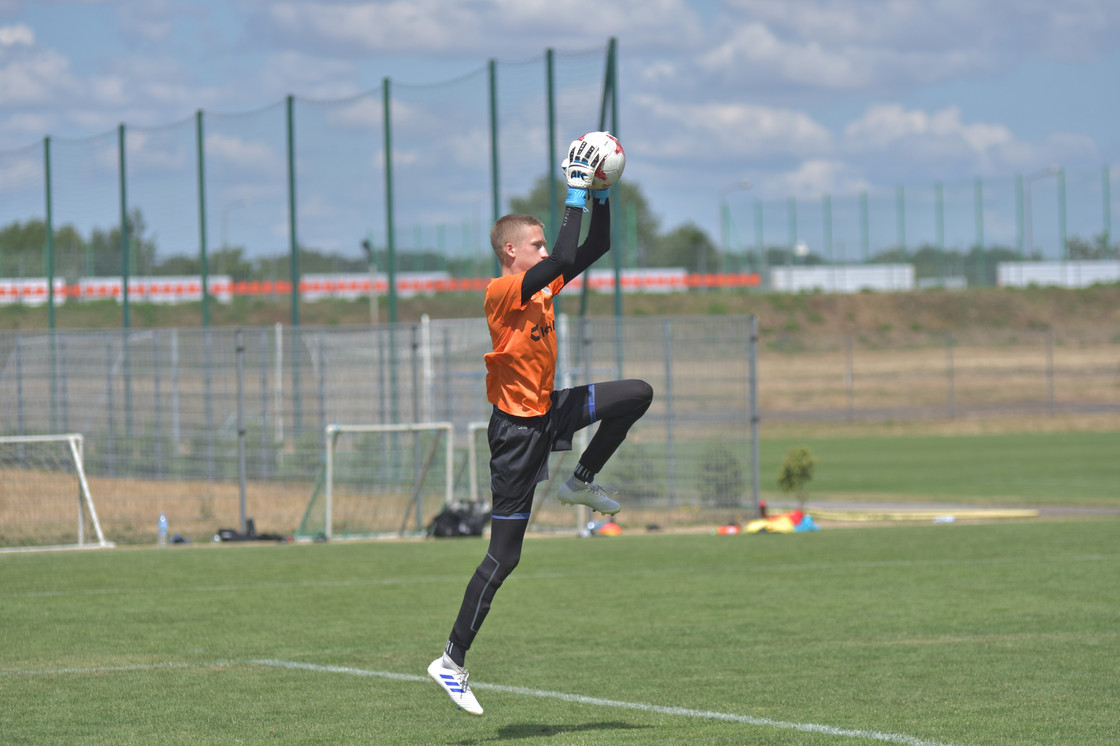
[[796, 472]]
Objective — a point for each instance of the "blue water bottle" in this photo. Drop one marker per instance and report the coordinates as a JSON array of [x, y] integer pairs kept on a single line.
[[161, 533]]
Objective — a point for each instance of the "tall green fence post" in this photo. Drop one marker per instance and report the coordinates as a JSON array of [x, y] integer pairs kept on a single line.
[[48, 199], [390, 229], [126, 255], [553, 196], [50, 238], [616, 255], [126, 322], [495, 188], [293, 273], [391, 252], [610, 109], [203, 259], [293, 236]]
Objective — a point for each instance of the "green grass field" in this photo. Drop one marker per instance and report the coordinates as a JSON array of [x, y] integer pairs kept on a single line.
[[1057, 468], [958, 634]]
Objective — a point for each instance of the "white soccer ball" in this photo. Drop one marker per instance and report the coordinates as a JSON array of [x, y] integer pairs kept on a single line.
[[609, 170]]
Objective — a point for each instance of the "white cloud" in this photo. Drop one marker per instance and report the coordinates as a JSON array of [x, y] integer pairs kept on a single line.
[[37, 78], [19, 172], [759, 53], [27, 126], [1073, 28], [814, 177], [884, 124], [18, 35], [150, 153], [939, 142], [930, 142], [154, 20], [717, 131], [242, 152], [361, 113], [312, 77], [435, 27], [108, 90]]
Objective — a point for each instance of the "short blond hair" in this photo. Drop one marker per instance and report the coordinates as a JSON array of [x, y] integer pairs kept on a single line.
[[507, 229]]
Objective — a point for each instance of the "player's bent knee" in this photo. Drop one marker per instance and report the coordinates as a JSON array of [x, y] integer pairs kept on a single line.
[[507, 561]]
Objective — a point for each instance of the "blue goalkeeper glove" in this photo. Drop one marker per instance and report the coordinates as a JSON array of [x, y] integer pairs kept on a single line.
[[576, 198], [600, 195]]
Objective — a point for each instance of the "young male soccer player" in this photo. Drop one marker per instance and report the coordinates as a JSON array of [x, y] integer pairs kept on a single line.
[[530, 419]]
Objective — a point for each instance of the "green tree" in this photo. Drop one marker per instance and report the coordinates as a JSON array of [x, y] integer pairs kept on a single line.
[[981, 266], [23, 250], [687, 246], [105, 248], [1098, 248], [797, 470]]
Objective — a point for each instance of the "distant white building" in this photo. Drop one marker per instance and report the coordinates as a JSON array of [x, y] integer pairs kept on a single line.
[[843, 278], [1078, 274]]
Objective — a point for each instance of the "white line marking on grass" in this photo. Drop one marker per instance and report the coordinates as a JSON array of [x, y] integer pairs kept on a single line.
[[829, 730]]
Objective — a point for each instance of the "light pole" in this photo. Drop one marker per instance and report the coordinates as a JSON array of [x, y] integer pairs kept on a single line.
[[1028, 228], [725, 215]]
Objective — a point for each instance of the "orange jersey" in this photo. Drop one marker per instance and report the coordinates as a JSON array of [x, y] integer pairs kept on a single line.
[[521, 369]]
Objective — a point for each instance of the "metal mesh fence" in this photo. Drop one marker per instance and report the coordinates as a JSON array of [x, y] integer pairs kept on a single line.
[[295, 188], [951, 231], [158, 408]]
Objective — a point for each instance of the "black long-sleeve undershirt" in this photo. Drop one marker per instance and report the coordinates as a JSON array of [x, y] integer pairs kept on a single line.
[[566, 258]]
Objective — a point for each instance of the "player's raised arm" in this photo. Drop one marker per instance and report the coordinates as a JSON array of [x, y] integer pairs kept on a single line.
[[601, 154], [564, 258]]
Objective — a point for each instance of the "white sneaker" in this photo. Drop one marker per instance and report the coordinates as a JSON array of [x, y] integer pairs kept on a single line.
[[594, 496], [453, 680]]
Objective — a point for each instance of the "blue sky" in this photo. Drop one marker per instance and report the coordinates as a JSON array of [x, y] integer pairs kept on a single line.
[[801, 99]]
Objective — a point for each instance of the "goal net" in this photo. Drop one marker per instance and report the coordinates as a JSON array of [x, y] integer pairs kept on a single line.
[[45, 500], [381, 480]]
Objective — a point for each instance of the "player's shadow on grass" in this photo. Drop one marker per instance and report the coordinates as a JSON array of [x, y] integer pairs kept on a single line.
[[515, 731]]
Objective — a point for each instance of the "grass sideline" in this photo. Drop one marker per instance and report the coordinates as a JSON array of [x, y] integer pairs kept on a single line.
[[961, 634], [1011, 468]]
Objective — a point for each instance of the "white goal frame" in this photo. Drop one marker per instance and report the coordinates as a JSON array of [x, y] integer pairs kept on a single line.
[[334, 430], [75, 443]]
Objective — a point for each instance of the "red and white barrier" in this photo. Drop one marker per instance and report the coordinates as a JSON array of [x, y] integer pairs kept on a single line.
[[30, 292], [347, 286], [162, 290]]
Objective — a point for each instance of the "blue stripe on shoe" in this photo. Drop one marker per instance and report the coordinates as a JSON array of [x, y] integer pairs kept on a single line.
[[451, 683]]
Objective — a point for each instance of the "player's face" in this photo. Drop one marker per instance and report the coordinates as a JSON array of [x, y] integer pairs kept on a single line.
[[529, 250]]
